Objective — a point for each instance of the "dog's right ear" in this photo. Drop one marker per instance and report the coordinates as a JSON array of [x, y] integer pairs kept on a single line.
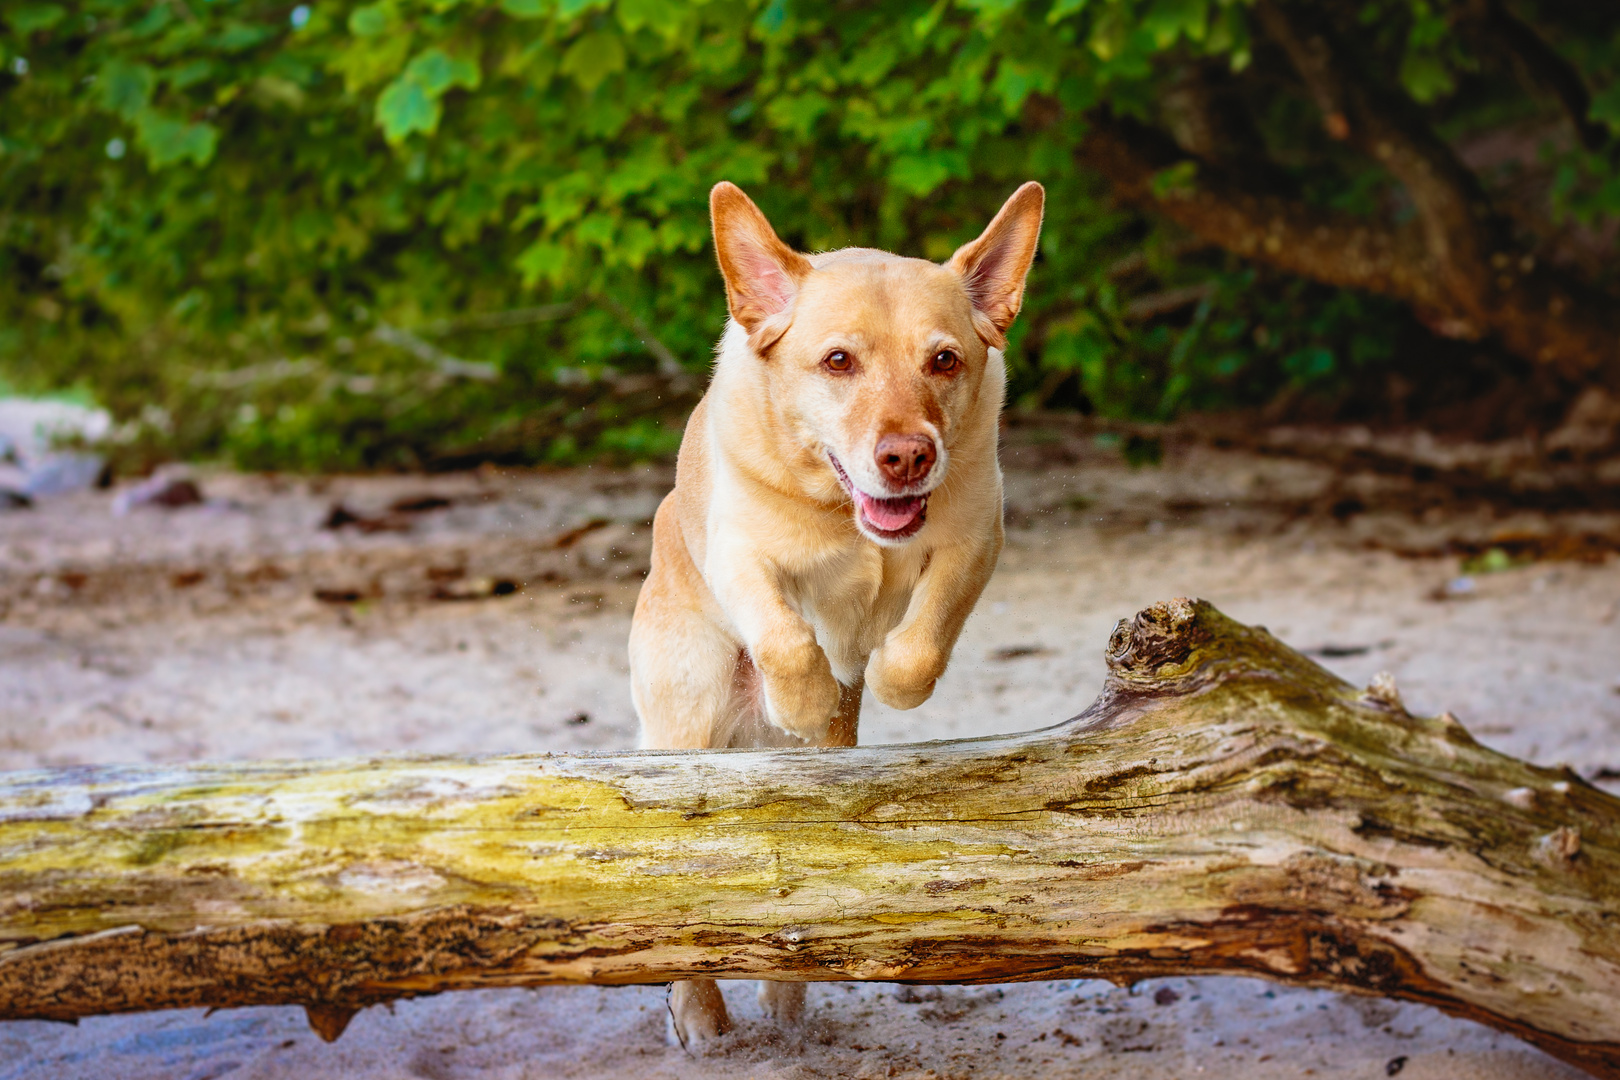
[[762, 273]]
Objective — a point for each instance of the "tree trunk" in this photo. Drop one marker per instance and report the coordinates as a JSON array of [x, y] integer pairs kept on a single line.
[[1226, 806], [1454, 263]]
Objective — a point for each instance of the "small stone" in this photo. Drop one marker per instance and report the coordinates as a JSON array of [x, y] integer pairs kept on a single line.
[[162, 492]]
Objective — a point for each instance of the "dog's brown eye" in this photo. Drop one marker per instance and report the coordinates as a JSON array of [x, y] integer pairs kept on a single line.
[[839, 360], [946, 362]]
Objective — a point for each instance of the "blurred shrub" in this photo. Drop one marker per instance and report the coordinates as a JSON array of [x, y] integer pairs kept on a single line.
[[420, 232]]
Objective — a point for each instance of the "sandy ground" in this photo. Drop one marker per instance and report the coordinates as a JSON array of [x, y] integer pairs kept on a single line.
[[488, 612]]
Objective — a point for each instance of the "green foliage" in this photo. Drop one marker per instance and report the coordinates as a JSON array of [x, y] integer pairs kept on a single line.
[[235, 217], [1239, 339]]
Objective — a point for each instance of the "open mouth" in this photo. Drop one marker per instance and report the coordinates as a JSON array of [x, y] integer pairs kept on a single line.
[[888, 519]]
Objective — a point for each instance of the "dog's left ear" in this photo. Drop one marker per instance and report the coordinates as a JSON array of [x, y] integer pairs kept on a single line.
[[994, 266]]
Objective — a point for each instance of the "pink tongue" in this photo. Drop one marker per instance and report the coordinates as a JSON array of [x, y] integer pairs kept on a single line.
[[890, 515]]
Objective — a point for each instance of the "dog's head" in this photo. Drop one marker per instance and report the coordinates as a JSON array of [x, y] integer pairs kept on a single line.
[[874, 362]]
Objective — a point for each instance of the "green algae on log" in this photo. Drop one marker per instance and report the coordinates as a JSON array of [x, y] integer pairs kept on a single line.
[[1226, 806]]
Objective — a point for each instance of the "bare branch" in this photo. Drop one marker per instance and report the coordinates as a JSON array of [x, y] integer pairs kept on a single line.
[[444, 363], [1458, 227], [501, 320], [669, 365], [1544, 69], [1334, 248], [1153, 305], [256, 374], [1453, 264]]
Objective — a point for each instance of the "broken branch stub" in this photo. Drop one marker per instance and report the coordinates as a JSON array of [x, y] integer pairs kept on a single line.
[[1226, 806]]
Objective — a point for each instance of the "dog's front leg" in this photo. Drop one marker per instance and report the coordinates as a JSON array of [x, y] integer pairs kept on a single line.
[[902, 671], [801, 694]]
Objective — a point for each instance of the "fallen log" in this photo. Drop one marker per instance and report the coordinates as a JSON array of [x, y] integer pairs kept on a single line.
[[1226, 806]]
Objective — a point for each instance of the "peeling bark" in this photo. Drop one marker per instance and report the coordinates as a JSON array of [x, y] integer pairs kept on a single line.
[[1226, 806]]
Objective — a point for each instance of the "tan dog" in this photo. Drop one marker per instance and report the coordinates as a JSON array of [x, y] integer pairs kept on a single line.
[[837, 502]]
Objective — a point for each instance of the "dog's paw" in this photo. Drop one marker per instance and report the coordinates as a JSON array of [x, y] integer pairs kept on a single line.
[[783, 1002], [903, 676], [697, 1015], [801, 694]]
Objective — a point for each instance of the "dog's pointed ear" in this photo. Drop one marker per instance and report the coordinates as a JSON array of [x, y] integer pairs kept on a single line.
[[762, 273], [993, 267]]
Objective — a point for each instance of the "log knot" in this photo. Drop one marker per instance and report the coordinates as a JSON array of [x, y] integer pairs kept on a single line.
[[1159, 636], [1559, 847]]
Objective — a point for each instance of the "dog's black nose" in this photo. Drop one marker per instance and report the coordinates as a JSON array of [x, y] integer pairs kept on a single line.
[[905, 459]]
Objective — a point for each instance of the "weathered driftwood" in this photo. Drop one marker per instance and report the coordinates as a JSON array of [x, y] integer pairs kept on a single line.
[[1225, 806]]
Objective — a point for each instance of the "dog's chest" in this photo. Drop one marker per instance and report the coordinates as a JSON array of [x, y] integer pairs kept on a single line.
[[853, 600]]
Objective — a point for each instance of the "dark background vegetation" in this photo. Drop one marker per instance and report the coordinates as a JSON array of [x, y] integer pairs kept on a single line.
[[422, 233]]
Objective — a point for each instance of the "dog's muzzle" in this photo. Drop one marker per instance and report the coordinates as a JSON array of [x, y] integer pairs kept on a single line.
[[896, 518]]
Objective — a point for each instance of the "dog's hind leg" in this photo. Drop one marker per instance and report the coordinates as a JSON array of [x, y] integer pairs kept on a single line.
[[784, 1001], [697, 1013], [683, 674], [847, 724]]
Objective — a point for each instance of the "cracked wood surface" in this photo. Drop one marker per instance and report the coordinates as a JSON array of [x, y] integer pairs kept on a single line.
[[1226, 806]]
